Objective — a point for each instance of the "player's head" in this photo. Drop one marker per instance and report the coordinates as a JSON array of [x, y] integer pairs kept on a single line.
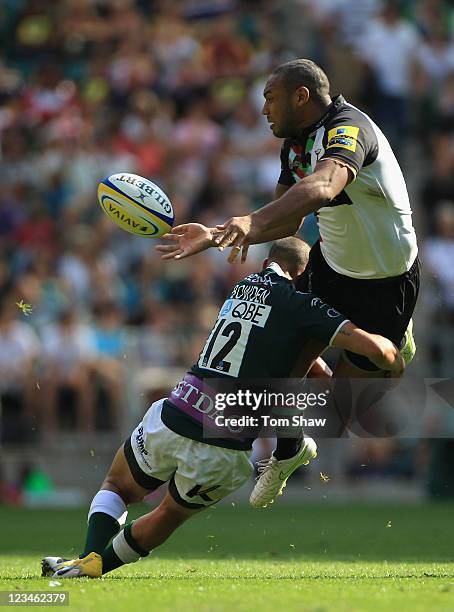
[[292, 255], [293, 93]]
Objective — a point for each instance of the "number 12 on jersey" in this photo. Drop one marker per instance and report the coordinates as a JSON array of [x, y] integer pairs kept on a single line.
[[226, 345]]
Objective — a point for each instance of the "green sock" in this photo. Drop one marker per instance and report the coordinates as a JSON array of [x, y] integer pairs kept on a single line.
[[101, 529], [130, 549], [110, 560]]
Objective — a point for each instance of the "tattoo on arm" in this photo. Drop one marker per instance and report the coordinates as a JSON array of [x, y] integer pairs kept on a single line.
[[344, 332]]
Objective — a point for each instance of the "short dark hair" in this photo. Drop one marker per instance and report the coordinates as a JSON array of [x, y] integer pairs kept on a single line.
[[304, 72], [292, 252]]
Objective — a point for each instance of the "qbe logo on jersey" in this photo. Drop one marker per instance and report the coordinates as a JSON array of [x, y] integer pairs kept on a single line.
[[224, 350]]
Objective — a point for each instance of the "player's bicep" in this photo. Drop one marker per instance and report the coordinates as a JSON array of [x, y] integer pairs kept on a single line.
[[333, 176]]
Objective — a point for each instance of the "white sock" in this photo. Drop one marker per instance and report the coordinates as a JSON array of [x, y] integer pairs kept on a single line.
[[123, 550], [110, 503]]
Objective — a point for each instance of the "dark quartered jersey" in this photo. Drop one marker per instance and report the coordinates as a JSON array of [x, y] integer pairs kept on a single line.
[[366, 231], [262, 326], [259, 333]]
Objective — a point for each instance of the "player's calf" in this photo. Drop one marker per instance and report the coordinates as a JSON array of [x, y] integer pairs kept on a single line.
[[152, 529], [108, 510], [136, 540], [145, 534]]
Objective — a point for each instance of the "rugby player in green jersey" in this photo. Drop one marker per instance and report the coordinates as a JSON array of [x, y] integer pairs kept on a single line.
[[263, 311]]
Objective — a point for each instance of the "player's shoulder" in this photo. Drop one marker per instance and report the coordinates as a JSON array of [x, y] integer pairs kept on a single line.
[[345, 113], [287, 297], [345, 127]]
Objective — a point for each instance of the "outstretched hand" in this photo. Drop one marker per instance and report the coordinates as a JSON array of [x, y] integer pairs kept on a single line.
[[186, 240]]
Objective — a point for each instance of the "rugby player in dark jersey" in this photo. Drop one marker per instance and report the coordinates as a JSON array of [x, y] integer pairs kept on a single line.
[[259, 333], [336, 162]]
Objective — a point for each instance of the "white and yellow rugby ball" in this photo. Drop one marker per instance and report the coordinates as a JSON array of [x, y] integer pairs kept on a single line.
[[136, 204]]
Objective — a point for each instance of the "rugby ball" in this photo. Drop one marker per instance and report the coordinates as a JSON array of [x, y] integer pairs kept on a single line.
[[136, 204]]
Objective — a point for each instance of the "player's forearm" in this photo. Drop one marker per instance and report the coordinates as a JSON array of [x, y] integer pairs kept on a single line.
[[288, 212], [387, 356], [381, 351], [281, 229]]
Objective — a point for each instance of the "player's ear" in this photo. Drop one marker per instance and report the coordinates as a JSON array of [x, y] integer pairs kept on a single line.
[[265, 264], [302, 95]]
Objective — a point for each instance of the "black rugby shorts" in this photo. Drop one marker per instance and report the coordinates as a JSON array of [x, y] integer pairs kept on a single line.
[[380, 306]]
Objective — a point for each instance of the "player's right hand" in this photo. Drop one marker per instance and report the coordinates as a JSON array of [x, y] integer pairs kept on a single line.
[[186, 240]]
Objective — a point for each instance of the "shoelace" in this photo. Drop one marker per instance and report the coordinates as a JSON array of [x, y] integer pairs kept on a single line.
[[264, 465]]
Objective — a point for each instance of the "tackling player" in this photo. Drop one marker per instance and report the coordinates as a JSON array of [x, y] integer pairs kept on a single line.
[[169, 446]]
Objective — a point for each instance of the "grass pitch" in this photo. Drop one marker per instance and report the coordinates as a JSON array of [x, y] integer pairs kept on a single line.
[[314, 558]]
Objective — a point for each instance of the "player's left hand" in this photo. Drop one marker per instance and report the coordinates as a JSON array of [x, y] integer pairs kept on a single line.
[[186, 240]]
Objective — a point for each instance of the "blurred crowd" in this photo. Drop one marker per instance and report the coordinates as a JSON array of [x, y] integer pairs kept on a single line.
[[172, 90]]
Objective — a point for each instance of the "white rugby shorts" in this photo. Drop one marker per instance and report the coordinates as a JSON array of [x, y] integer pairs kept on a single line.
[[199, 474]]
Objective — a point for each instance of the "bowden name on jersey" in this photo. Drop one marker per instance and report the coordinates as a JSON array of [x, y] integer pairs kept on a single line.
[[259, 333], [366, 231]]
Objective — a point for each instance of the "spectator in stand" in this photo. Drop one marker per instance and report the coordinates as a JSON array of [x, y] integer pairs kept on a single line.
[[69, 351], [252, 151], [227, 52], [388, 46], [435, 62], [39, 285], [439, 256], [445, 105], [439, 184], [111, 346], [19, 353]]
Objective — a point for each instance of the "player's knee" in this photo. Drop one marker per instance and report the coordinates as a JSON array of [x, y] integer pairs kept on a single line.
[[123, 488]]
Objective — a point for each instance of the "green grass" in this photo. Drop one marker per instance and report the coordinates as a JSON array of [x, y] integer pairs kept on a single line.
[[312, 558]]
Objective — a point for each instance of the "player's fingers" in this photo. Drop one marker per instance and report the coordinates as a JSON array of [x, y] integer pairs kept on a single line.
[[223, 234], [185, 253], [244, 252], [172, 237], [233, 254], [222, 226], [164, 248], [173, 255], [231, 238], [237, 242], [179, 229]]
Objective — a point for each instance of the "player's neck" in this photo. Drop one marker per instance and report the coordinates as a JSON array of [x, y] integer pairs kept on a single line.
[[314, 113], [280, 269]]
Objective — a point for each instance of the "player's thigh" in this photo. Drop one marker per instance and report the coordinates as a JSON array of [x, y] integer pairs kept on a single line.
[[382, 306], [120, 480], [149, 451], [206, 474]]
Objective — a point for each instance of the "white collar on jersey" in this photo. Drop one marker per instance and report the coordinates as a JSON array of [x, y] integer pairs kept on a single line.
[[275, 267]]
